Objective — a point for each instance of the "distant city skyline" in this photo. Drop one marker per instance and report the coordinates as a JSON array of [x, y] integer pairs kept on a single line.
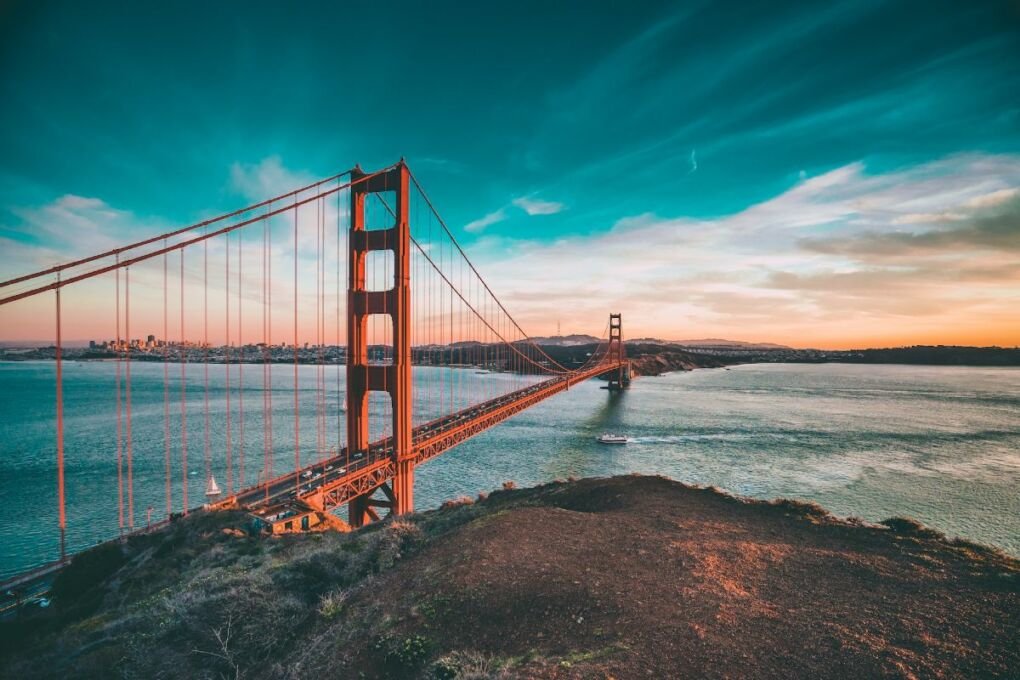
[[835, 175]]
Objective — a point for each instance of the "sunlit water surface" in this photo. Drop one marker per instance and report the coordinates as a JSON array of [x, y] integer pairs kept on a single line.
[[940, 444]]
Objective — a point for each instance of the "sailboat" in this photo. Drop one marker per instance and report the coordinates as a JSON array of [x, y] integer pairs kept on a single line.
[[211, 487]]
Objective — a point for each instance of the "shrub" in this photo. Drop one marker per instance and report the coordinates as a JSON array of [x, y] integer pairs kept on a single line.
[[398, 537], [457, 502], [404, 530], [402, 657], [332, 603], [806, 509], [465, 666], [911, 527]]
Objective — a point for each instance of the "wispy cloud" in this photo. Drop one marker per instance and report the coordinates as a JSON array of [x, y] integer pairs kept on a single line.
[[843, 258], [535, 206], [994, 230], [440, 164], [71, 226], [479, 225], [531, 206], [265, 179], [828, 262]]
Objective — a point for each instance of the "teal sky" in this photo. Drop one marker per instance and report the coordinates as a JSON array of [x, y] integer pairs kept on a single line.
[[536, 124]]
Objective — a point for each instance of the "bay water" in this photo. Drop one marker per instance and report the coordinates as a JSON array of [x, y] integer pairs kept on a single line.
[[938, 444]]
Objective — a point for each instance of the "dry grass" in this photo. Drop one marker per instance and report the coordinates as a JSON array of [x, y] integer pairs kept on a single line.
[[624, 577]]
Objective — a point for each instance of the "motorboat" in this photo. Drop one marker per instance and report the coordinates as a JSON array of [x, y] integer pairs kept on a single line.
[[610, 438]]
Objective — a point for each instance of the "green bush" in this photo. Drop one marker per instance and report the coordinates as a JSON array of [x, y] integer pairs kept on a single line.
[[405, 656]]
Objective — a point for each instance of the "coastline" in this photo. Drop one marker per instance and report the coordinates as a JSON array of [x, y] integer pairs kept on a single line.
[[622, 576]]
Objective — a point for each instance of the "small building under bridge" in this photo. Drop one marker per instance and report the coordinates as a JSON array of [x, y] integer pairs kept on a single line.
[[292, 517]]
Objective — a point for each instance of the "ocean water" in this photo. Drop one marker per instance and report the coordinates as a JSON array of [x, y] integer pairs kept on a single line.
[[940, 444]]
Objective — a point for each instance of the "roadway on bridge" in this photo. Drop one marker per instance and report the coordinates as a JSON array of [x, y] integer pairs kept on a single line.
[[345, 467]]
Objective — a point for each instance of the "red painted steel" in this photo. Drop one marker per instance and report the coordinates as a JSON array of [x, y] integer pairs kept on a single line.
[[297, 411], [363, 377], [345, 481], [184, 410], [226, 365], [166, 394], [60, 432], [127, 403]]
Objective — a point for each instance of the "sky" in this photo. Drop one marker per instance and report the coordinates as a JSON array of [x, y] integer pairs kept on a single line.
[[836, 175]]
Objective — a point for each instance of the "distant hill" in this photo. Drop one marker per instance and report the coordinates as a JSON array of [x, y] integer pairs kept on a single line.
[[35, 344], [567, 340], [710, 342], [580, 339]]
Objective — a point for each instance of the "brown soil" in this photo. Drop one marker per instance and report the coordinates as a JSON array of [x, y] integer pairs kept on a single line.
[[629, 577], [636, 577]]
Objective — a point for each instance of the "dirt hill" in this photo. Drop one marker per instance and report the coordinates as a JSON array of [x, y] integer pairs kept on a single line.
[[630, 577]]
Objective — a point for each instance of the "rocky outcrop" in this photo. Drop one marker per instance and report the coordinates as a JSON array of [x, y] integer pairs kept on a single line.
[[658, 360]]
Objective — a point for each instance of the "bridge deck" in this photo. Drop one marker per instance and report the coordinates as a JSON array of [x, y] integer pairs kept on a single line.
[[336, 480]]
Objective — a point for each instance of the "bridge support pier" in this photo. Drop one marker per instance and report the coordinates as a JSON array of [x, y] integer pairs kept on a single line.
[[393, 378], [403, 488]]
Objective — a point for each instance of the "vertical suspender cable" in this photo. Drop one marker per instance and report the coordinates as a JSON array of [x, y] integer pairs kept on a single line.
[[120, 439], [318, 258], [386, 320], [340, 397], [267, 254], [318, 328], [205, 362], [166, 391], [240, 368], [127, 376], [321, 327], [269, 340], [226, 363], [184, 397], [322, 330], [297, 421], [432, 328], [265, 361], [60, 431]]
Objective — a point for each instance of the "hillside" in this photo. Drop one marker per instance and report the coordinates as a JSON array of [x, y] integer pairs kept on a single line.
[[623, 577], [659, 359]]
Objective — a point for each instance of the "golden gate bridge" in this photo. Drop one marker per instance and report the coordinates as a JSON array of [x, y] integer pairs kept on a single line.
[[411, 297]]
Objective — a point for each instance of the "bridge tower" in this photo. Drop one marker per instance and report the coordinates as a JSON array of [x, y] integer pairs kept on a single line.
[[393, 378], [617, 352]]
